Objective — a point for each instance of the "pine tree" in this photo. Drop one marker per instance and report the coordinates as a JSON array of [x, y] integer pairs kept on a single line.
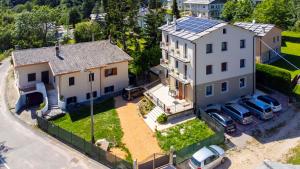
[[175, 10]]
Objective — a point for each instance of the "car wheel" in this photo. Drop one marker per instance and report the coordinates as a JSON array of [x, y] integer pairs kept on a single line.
[[223, 160]]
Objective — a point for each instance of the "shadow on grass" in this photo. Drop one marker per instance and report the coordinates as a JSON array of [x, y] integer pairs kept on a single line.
[[290, 39], [283, 64], [84, 110]]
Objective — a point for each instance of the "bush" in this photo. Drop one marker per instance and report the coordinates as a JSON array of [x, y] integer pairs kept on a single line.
[[145, 106], [162, 119], [297, 26], [274, 77], [42, 105]]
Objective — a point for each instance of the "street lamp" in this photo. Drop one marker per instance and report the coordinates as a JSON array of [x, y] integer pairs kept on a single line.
[[92, 107]]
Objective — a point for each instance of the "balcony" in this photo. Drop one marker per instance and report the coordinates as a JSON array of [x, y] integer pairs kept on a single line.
[[164, 45], [164, 63], [179, 55], [179, 76]]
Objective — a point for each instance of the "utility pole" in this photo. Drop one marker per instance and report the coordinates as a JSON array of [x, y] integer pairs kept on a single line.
[[92, 108]]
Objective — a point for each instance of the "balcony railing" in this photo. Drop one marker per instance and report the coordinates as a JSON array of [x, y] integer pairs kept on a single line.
[[179, 76], [164, 45], [164, 63]]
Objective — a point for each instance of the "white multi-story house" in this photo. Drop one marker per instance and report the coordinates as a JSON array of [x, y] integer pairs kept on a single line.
[[205, 62], [169, 3], [61, 75], [205, 8]]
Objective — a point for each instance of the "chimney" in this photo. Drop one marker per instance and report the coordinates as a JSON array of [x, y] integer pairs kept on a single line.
[[57, 50], [253, 21], [175, 22]]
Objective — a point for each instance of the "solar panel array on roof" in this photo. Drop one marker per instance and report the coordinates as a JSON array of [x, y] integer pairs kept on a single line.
[[196, 25]]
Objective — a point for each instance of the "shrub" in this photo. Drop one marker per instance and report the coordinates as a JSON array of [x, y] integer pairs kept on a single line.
[[274, 77], [145, 106], [42, 105], [162, 119]]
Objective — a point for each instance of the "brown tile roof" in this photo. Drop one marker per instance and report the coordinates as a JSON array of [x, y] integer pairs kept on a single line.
[[72, 58]]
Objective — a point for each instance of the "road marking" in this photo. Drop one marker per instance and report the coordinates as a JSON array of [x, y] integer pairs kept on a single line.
[[5, 165]]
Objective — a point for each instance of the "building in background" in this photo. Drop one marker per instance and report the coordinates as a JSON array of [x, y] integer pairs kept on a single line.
[[205, 8], [268, 40]]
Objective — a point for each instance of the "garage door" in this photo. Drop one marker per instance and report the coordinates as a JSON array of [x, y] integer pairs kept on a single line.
[[34, 99]]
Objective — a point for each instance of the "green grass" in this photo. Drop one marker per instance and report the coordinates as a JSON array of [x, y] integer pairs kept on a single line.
[[194, 132], [295, 156], [106, 122], [291, 50]]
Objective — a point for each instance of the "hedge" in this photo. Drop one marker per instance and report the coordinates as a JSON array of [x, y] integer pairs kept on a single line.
[[274, 77]]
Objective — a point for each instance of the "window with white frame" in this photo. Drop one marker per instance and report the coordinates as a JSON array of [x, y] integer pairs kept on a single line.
[[209, 90], [242, 82]]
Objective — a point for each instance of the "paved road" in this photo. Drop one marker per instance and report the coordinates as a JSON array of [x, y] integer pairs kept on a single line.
[[28, 148]]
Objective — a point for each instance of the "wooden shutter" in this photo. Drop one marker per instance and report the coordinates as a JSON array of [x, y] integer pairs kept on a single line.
[[106, 72], [115, 71]]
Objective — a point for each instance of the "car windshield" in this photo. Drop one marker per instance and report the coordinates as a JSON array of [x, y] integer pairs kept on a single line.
[[196, 162], [247, 114], [213, 150], [268, 110], [229, 122]]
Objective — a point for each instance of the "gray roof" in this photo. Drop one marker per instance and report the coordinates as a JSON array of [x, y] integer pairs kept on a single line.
[[258, 28], [204, 2], [72, 58], [192, 28]]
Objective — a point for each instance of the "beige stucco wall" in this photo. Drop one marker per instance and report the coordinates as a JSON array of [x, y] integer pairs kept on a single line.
[[22, 74], [234, 90], [82, 85], [262, 51]]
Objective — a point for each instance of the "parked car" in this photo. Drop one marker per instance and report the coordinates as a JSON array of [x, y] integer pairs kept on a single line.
[[275, 105], [258, 108], [238, 113], [207, 158], [222, 119], [131, 92]]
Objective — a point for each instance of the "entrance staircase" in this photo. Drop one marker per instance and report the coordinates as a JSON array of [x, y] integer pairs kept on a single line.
[[152, 116], [52, 98]]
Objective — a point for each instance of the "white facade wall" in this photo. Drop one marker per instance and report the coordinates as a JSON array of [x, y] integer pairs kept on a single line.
[[232, 56], [22, 74], [82, 84]]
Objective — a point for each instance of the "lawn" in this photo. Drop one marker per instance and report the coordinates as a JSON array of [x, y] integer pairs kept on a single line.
[[295, 156], [291, 50], [106, 122], [184, 135]]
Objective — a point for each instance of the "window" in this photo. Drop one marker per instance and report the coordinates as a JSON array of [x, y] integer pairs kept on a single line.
[[185, 50], [109, 89], [167, 39], [176, 64], [242, 82], [167, 55], [242, 43], [91, 77], [31, 77], [110, 72], [274, 40], [278, 38], [94, 94], [71, 100], [88, 96], [71, 81], [224, 67], [224, 31], [242, 63], [224, 87], [209, 90], [54, 79], [176, 46], [209, 48], [209, 69], [185, 71], [177, 84], [224, 46]]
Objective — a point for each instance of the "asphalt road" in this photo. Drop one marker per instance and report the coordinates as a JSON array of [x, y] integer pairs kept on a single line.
[[25, 147]]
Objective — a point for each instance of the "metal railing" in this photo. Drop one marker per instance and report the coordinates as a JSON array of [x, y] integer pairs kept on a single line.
[[104, 157]]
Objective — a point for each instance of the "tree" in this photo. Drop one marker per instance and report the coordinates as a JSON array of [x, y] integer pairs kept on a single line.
[[74, 16], [229, 10], [87, 7], [275, 12], [88, 31], [153, 21], [175, 10], [244, 10], [154, 4]]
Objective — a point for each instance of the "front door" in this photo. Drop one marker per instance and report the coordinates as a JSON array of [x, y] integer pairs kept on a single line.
[[45, 77], [180, 87]]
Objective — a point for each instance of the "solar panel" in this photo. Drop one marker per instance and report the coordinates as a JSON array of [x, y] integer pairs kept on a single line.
[[196, 25]]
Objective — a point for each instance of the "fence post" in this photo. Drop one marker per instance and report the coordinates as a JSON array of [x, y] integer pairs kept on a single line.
[[154, 161], [135, 164]]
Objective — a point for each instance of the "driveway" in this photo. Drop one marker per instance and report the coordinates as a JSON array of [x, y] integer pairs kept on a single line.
[[28, 147], [138, 137]]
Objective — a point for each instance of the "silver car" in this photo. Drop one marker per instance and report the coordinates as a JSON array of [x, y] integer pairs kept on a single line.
[[258, 108], [238, 113], [207, 158], [275, 105]]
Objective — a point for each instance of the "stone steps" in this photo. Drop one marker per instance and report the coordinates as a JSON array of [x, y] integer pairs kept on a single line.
[[152, 116]]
